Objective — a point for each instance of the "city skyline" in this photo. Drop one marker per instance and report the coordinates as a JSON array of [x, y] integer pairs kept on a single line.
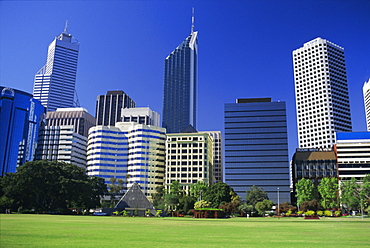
[[252, 60]]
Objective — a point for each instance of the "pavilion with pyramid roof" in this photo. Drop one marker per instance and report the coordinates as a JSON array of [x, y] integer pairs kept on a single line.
[[135, 202]]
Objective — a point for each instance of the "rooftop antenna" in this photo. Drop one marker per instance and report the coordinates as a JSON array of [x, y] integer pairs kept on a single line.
[[66, 28], [192, 21]]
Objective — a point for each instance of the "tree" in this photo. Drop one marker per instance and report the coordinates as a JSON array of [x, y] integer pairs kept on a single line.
[[218, 194], [202, 204], [264, 206], [365, 189], [52, 186], [198, 189], [255, 194], [285, 207], [158, 200], [329, 192], [350, 194], [313, 205], [173, 196], [115, 189], [245, 208], [306, 191]]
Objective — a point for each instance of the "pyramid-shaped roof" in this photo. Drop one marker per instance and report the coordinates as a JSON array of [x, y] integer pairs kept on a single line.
[[134, 199]]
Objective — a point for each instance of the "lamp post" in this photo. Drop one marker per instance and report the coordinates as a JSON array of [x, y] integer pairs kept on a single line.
[[278, 196]]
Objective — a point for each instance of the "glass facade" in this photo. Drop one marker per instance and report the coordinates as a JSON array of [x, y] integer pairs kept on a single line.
[[20, 117], [256, 147], [180, 86]]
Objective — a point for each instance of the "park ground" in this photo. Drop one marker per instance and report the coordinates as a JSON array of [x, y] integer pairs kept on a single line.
[[33, 230]]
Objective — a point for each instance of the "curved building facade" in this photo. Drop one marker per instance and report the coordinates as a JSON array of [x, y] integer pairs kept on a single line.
[[20, 116]]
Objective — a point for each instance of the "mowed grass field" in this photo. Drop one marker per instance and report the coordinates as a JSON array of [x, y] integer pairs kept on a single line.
[[19, 230]]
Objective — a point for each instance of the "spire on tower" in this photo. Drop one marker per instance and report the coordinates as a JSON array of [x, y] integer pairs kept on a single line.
[[66, 28], [192, 21]]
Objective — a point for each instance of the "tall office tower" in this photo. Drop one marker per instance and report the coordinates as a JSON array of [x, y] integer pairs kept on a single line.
[[146, 157], [353, 155], [256, 147], [54, 83], [129, 151], [109, 107], [189, 159], [61, 143], [78, 117], [140, 115], [180, 85], [217, 154], [20, 117], [366, 91], [321, 90]]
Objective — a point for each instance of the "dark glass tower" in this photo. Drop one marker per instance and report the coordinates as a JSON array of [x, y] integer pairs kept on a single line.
[[180, 85], [256, 147], [109, 107]]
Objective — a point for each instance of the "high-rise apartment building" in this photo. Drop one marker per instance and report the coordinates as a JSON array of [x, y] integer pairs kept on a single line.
[[321, 90], [63, 144], [141, 115], [54, 84], [366, 92], [189, 159], [109, 107], [180, 85], [256, 147], [78, 117], [20, 117], [130, 151]]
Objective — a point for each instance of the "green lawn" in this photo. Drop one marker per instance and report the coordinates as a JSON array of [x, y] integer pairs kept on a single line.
[[101, 231]]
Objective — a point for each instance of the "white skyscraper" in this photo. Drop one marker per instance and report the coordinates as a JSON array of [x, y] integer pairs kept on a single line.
[[54, 83], [321, 90], [366, 91]]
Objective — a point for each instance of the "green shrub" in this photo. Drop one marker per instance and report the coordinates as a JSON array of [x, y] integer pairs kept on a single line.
[[327, 213], [337, 213], [320, 213], [309, 213], [300, 212], [288, 213]]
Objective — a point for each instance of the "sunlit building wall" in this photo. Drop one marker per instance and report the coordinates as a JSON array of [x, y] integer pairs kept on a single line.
[[321, 91]]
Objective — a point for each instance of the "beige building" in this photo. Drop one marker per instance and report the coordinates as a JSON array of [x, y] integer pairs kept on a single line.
[[217, 155], [189, 159]]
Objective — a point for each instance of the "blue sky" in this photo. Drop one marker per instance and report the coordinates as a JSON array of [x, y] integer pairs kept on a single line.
[[245, 48]]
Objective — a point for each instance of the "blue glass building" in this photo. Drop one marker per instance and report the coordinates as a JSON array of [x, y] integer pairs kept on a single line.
[[20, 116], [256, 147], [180, 86]]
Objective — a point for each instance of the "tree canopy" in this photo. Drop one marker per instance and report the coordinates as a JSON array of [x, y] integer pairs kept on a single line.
[[255, 194], [306, 191], [51, 187]]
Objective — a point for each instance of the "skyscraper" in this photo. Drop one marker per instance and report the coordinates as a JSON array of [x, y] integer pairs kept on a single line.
[[109, 107], [130, 151], [180, 85], [321, 90], [366, 91], [256, 147], [54, 83], [20, 117]]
